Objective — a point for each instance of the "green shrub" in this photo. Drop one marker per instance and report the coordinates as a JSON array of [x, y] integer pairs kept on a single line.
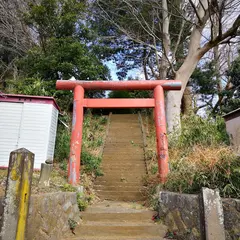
[[197, 130], [103, 120], [201, 157], [68, 188], [91, 163], [82, 202], [62, 148]]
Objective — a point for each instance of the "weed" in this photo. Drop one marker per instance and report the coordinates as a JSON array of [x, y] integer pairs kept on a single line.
[[103, 120], [72, 224], [82, 202], [68, 188], [199, 157], [154, 169], [91, 163], [198, 131], [63, 165], [62, 144]]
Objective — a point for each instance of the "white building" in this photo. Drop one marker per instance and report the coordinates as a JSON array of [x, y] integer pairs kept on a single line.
[[28, 122]]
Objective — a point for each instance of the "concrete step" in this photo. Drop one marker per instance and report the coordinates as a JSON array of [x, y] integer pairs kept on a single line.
[[116, 218], [123, 174], [118, 188], [125, 165], [124, 145], [130, 135], [126, 117], [116, 207], [121, 161], [122, 168], [129, 145], [122, 156], [113, 238], [120, 178], [130, 149], [116, 183], [130, 124], [120, 231], [125, 139], [121, 196], [112, 154]]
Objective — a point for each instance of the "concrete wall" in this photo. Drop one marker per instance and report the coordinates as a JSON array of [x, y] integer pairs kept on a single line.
[[182, 214], [233, 129], [49, 214]]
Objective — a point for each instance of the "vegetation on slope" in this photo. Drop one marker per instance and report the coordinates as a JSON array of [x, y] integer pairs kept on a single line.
[[200, 157]]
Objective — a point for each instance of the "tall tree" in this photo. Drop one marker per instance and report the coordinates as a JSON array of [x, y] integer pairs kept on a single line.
[[172, 36], [61, 52], [217, 82], [15, 37]]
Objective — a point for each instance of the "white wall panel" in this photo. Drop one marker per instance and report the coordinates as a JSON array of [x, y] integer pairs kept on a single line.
[[10, 120], [34, 130], [27, 125]]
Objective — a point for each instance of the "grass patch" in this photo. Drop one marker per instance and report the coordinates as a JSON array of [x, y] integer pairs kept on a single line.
[[91, 163]]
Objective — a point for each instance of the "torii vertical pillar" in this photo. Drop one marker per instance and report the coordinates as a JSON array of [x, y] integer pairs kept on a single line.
[[76, 137], [161, 133]]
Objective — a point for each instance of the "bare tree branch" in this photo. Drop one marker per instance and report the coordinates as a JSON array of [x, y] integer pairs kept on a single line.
[[230, 33]]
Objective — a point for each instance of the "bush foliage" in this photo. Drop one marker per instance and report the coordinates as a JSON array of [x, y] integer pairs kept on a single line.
[[199, 157]]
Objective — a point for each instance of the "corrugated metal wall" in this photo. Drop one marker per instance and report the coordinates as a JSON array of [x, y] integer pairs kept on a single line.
[[10, 121], [28, 125], [52, 133], [233, 129]]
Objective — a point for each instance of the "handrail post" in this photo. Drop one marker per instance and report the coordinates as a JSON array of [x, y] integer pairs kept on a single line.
[[161, 133], [76, 137]]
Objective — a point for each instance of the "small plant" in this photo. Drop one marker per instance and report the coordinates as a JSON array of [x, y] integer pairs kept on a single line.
[[103, 120], [72, 225], [154, 169], [91, 163], [68, 188], [63, 165], [62, 147], [82, 202], [171, 235]]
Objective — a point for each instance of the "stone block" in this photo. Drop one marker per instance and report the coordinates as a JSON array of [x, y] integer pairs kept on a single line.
[[181, 213], [213, 214], [49, 215]]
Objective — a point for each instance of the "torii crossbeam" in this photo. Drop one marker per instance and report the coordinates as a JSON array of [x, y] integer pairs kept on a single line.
[[158, 86]]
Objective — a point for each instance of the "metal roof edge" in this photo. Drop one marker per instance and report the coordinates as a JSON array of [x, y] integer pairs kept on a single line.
[[3, 95]]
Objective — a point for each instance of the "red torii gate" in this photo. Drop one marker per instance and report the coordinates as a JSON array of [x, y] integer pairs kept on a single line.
[[158, 86]]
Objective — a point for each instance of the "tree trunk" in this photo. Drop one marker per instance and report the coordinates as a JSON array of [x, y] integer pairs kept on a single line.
[[173, 99], [187, 106], [165, 41]]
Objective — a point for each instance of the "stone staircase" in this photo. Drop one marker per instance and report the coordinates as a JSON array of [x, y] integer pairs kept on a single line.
[[110, 220], [119, 215], [123, 162]]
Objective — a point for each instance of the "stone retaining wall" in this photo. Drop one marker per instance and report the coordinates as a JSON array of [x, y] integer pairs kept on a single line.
[[182, 214], [49, 214], [231, 210]]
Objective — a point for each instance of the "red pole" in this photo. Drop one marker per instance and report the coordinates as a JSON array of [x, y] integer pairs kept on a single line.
[[161, 133], [76, 137]]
